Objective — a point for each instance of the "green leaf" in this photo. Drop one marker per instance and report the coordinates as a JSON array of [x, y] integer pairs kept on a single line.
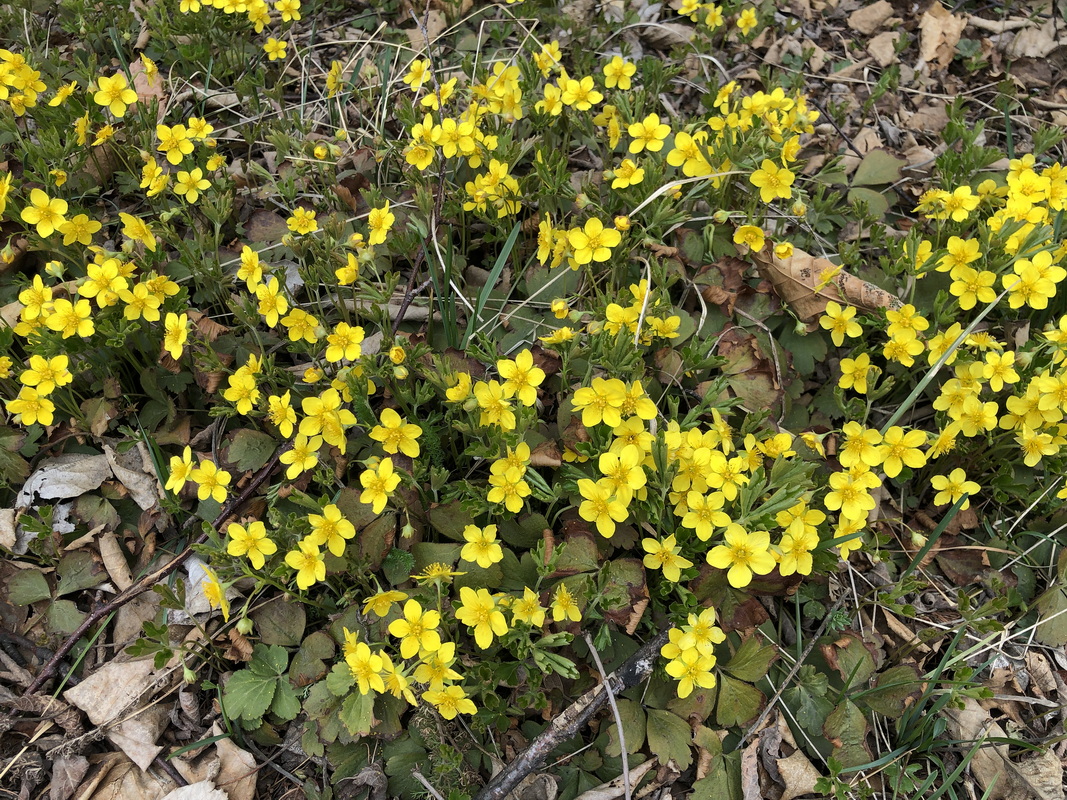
[[1052, 629], [78, 570], [723, 781], [309, 662], [893, 689], [248, 695], [250, 450], [285, 705], [851, 658], [339, 680], [878, 168], [27, 586], [846, 728], [633, 728], [807, 700], [268, 661], [449, 519], [279, 622], [669, 737], [357, 713], [751, 661], [13, 467], [398, 566], [877, 204], [64, 617], [739, 702]]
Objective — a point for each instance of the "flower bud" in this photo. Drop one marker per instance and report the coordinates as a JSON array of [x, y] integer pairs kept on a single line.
[[720, 216], [244, 626]]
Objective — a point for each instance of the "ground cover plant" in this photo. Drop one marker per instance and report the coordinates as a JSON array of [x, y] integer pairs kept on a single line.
[[413, 401]]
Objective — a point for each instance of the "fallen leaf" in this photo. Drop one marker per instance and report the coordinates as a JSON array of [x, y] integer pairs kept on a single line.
[[67, 774], [939, 33], [238, 772], [868, 19], [930, 119], [806, 284], [204, 790], [1033, 42], [115, 777], [111, 689], [798, 774], [999, 777], [137, 736], [883, 48], [7, 528], [64, 476], [115, 561], [143, 488]]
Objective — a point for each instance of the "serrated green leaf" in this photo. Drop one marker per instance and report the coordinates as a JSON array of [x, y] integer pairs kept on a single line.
[[398, 566], [739, 702], [807, 699], [751, 661], [285, 705], [339, 680], [633, 728], [357, 713], [669, 737], [851, 658], [250, 450], [268, 661], [248, 695], [27, 586]]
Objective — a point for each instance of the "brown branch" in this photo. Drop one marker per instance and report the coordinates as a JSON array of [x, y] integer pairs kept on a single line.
[[152, 578], [632, 671]]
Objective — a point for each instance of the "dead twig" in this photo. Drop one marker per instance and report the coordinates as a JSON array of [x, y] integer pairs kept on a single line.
[[632, 671], [626, 789], [152, 578]]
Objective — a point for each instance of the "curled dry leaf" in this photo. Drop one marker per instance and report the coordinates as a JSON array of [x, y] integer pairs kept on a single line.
[[806, 284]]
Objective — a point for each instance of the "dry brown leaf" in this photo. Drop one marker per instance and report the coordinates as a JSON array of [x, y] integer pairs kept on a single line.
[[999, 777], [111, 689], [137, 736], [939, 33], [63, 477], [1033, 42], [204, 790], [7, 528], [115, 777], [144, 488], [149, 90], [238, 773], [806, 284], [798, 774], [868, 19], [883, 48], [67, 774], [115, 561]]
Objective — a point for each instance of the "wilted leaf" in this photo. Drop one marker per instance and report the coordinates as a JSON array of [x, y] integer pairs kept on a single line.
[[64, 617], [939, 33], [13, 467], [65, 476], [111, 689], [893, 689], [846, 728], [669, 737], [852, 659], [869, 17], [1052, 629], [806, 283]]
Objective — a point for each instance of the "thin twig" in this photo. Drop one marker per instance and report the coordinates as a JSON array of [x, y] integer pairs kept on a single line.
[[632, 671], [429, 787], [618, 718], [152, 578], [792, 673]]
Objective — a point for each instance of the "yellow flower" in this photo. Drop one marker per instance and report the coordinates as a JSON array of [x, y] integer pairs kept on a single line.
[[600, 402], [418, 74], [593, 242], [344, 343], [521, 377], [450, 702], [175, 334], [62, 93], [378, 485], [330, 528], [665, 556], [750, 235], [190, 184], [579, 93], [181, 470], [303, 455], [309, 564], [272, 303], [396, 434], [30, 407], [289, 9], [45, 212], [617, 73], [380, 221], [251, 541], [366, 668], [624, 175], [71, 319], [215, 593], [648, 134], [747, 21], [495, 407], [79, 229], [302, 221], [274, 49], [174, 141], [692, 669], [840, 322], [382, 602], [743, 554], [528, 608], [509, 487], [480, 611], [564, 606], [114, 94], [211, 481], [482, 547], [796, 550], [773, 182], [860, 446], [601, 506], [45, 374], [900, 448], [137, 229], [952, 487], [855, 372], [416, 630]]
